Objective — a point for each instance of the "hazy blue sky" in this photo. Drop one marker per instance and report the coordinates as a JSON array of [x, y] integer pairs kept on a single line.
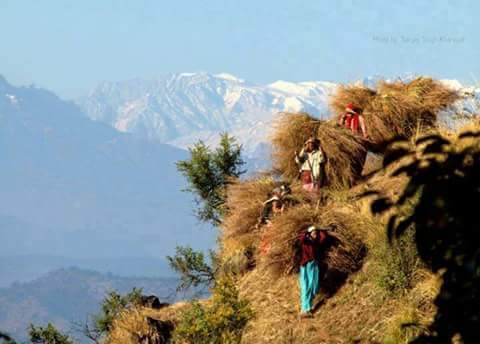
[[69, 45]]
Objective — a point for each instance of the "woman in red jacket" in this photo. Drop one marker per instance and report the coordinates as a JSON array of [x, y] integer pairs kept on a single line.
[[353, 120], [311, 246]]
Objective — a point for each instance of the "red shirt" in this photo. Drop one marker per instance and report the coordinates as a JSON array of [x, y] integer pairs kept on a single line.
[[311, 248], [352, 122]]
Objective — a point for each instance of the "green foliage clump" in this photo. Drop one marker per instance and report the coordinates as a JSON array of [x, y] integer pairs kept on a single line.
[[445, 175], [221, 322], [192, 267], [208, 172], [397, 264], [111, 307], [48, 335]]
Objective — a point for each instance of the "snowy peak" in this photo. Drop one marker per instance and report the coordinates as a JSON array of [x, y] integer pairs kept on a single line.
[[176, 108], [303, 89], [181, 108], [229, 77]]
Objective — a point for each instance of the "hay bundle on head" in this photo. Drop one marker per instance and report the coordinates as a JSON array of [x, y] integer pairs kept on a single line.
[[396, 108], [359, 95], [245, 203], [345, 252], [345, 153]]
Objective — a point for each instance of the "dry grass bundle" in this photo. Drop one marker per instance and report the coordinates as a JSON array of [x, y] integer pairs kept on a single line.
[[359, 95], [240, 236], [291, 132], [397, 108], [134, 326], [345, 152], [345, 251], [245, 202]]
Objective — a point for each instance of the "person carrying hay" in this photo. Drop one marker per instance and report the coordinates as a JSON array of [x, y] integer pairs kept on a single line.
[[353, 119], [311, 161], [271, 207], [310, 249]]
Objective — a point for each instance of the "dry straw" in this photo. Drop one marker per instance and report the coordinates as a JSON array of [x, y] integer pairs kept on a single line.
[[396, 108], [345, 153], [135, 326], [346, 251], [245, 201]]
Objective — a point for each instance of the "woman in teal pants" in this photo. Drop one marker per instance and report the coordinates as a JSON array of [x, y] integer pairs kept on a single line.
[[310, 244]]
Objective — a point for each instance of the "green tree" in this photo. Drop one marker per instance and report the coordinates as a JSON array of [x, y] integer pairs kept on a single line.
[[208, 173], [192, 267], [48, 335], [221, 322], [444, 181]]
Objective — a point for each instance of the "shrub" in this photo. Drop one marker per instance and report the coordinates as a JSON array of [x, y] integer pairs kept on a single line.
[[222, 321], [48, 335], [397, 264], [444, 173]]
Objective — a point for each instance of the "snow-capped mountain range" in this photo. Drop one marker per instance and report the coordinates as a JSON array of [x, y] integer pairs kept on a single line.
[[181, 108]]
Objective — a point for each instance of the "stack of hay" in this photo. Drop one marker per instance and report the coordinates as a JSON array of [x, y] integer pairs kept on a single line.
[[396, 108], [240, 233], [345, 153], [240, 237], [345, 251], [136, 325]]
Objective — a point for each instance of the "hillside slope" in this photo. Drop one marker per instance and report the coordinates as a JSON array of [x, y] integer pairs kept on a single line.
[[370, 287]]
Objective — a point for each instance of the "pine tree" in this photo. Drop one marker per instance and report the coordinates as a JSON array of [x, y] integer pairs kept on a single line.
[[209, 172]]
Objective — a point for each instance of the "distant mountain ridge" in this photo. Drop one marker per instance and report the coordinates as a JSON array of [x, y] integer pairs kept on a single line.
[[68, 296], [181, 108], [77, 188]]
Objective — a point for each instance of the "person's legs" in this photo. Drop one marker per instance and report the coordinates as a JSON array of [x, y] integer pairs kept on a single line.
[[310, 295], [313, 286], [309, 274], [304, 300], [307, 180], [266, 239], [315, 279]]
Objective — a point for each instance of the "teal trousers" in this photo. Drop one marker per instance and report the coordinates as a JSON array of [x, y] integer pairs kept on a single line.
[[309, 284]]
